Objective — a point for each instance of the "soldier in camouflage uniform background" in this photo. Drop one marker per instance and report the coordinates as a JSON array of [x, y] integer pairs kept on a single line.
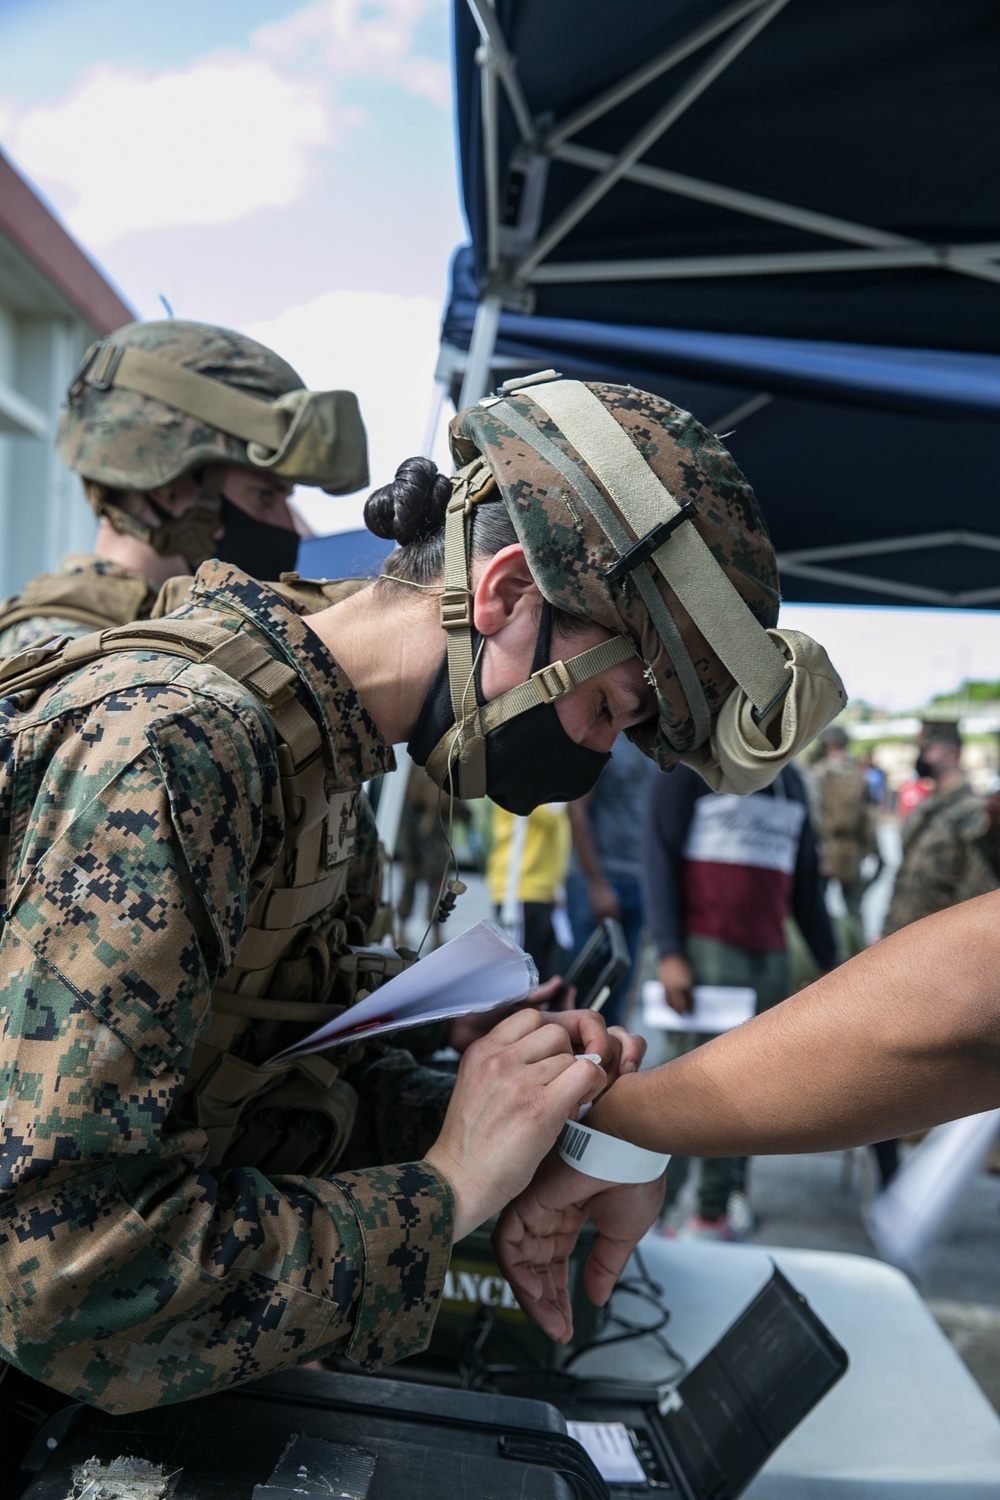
[[946, 839], [170, 488], [846, 825], [188, 874]]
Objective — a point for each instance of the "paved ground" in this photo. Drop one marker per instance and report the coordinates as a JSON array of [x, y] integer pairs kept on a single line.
[[815, 1202]]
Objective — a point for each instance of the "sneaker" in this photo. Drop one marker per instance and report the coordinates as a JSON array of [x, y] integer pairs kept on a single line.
[[740, 1215], [697, 1228]]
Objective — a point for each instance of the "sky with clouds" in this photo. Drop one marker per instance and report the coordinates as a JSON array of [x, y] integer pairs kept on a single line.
[[289, 169]]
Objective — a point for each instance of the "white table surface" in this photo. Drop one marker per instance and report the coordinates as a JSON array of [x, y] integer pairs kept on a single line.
[[906, 1420]]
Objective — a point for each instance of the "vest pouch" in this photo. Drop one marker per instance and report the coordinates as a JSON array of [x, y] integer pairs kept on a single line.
[[293, 1118]]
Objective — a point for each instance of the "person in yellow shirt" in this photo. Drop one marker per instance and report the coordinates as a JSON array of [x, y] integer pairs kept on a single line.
[[525, 872]]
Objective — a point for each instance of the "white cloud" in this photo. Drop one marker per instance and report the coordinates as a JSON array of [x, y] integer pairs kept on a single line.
[[359, 38], [231, 133], [384, 348], [899, 658], [204, 145]]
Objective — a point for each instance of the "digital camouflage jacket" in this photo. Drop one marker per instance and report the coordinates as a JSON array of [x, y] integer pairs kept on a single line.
[[87, 593], [945, 857], [141, 819]]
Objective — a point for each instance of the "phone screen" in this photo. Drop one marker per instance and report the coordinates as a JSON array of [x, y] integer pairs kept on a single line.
[[588, 969]]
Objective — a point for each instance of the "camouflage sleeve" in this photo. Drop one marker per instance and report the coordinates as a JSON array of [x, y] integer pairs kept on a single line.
[[401, 1106], [130, 1276], [941, 866]]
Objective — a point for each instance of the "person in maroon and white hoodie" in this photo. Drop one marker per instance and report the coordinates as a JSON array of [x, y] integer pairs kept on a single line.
[[721, 876]]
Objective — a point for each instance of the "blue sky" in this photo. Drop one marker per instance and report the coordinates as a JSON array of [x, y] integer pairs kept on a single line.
[[281, 167], [287, 167]]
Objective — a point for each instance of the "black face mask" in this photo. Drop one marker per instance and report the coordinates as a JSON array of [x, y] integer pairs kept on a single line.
[[923, 767], [530, 759], [260, 549]]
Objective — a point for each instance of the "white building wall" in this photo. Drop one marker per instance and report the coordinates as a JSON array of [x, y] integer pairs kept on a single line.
[[43, 511]]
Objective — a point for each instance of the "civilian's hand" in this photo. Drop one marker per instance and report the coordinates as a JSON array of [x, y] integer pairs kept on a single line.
[[464, 1030], [603, 900], [538, 1230], [677, 978]]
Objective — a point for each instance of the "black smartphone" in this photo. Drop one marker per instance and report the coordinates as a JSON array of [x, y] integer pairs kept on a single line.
[[599, 965]]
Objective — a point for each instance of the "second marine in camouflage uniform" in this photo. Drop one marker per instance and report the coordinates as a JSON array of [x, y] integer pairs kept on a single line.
[[946, 838], [157, 424]]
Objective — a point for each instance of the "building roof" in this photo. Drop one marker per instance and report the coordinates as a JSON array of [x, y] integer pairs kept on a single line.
[[38, 257]]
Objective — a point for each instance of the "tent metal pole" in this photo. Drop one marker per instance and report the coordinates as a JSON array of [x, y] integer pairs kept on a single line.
[[870, 585], [693, 267], [390, 806], [434, 418], [491, 155], [975, 539], [740, 413], [633, 82], [641, 142], [476, 380], [491, 32], [747, 203]]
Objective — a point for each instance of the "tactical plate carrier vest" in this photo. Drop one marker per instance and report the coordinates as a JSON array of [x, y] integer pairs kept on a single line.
[[303, 957], [97, 600]]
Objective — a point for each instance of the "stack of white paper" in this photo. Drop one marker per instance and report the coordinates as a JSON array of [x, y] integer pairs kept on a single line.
[[717, 1007], [476, 971]]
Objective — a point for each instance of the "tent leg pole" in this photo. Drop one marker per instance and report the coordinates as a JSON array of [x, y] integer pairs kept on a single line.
[[434, 418], [476, 380]]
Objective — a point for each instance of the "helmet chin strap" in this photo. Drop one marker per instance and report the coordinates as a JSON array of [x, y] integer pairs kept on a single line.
[[460, 755], [191, 536]]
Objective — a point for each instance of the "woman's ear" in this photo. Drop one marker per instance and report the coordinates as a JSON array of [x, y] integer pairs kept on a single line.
[[504, 589]]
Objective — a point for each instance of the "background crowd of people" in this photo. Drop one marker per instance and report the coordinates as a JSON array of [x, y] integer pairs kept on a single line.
[[764, 892]]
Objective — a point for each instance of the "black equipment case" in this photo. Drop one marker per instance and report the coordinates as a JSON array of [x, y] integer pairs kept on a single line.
[[310, 1435]]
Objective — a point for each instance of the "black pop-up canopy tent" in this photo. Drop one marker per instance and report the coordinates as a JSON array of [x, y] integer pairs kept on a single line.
[[784, 215]]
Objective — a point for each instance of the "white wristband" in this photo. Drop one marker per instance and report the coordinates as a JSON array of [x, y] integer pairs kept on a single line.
[[606, 1156]]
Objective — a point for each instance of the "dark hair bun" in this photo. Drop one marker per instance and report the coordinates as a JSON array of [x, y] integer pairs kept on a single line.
[[412, 507]]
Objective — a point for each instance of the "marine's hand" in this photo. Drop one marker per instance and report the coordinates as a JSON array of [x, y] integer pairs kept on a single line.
[[538, 1230], [515, 1089], [677, 978]]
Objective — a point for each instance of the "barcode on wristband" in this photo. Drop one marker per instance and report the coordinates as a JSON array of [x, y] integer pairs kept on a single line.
[[573, 1141]]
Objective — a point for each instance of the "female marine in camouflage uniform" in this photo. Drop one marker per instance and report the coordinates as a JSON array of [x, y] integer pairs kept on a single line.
[[187, 881]]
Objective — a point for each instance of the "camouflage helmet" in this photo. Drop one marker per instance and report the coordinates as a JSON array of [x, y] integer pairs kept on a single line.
[[156, 401], [634, 516]]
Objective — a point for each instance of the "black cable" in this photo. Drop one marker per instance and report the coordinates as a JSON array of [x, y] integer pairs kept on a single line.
[[476, 1372]]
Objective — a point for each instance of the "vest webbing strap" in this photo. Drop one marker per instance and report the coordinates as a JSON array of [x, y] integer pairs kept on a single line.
[[239, 656], [260, 1008], [216, 403], [684, 560], [663, 621]]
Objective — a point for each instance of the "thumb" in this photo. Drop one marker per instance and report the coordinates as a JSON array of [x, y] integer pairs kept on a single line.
[[582, 1081]]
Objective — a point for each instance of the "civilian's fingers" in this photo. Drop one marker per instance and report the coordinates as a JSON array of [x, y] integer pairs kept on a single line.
[[605, 1264], [632, 1048]]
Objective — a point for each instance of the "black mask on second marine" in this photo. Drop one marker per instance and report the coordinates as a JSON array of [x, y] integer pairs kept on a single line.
[[530, 759], [258, 547]]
